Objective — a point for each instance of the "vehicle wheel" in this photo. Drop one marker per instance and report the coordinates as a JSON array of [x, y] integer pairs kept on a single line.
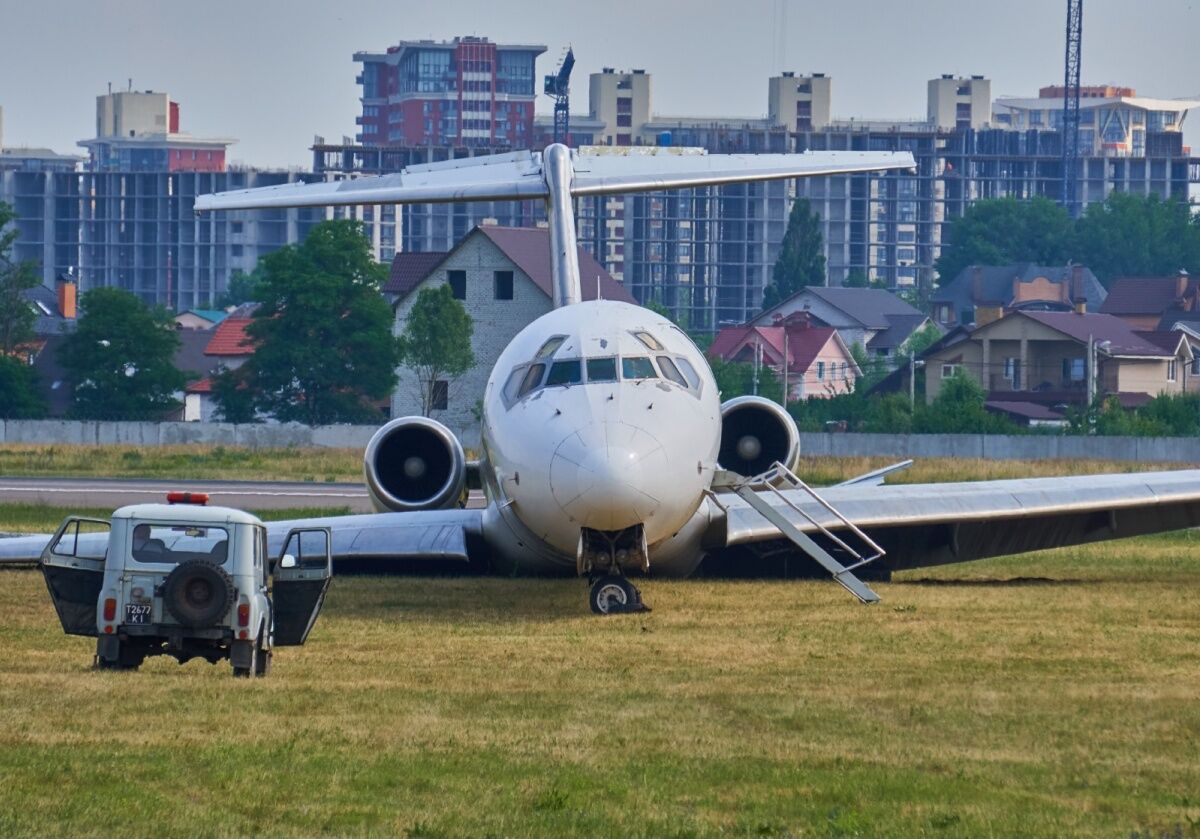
[[128, 657], [198, 593], [612, 595]]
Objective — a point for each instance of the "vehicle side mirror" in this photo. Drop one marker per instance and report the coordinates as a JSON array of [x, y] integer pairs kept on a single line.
[[287, 561]]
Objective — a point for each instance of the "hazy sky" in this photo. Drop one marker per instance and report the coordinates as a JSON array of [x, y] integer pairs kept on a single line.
[[273, 73]]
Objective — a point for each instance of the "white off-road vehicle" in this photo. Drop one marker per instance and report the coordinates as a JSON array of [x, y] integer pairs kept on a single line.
[[185, 580]]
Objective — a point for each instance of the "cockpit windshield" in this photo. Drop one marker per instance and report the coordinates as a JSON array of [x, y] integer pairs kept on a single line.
[[534, 376], [567, 372], [602, 369], [637, 367]]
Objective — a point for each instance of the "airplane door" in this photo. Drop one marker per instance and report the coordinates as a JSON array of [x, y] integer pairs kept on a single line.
[[301, 578], [73, 565]]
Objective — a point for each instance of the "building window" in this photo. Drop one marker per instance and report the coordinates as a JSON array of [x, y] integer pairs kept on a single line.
[[441, 395], [504, 285], [821, 371], [624, 140], [1171, 370], [1073, 370], [458, 284], [949, 371], [624, 120]]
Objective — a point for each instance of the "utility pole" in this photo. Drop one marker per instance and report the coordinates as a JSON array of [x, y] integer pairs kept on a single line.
[[784, 400], [1091, 371], [912, 381]]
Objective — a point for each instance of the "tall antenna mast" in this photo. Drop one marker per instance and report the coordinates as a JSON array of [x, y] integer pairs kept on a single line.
[[558, 86], [1070, 118]]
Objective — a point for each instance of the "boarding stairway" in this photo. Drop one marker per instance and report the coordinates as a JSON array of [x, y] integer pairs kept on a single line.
[[757, 491]]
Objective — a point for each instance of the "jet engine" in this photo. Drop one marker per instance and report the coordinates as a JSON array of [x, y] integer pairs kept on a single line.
[[755, 434], [415, 463]]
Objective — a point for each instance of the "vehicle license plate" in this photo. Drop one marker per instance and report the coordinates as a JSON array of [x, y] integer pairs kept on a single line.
[[135, 613]]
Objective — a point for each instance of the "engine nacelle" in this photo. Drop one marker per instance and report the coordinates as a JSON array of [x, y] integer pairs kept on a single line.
[[755, 434], [415, 463]]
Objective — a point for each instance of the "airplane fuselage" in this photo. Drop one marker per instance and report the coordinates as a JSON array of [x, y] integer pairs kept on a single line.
[[599, 415]]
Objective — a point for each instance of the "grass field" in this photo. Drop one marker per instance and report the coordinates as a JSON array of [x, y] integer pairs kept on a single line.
[[329, 465], [963, 705]]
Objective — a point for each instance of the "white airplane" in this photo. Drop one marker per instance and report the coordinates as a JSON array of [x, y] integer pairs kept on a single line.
[[606, 450]]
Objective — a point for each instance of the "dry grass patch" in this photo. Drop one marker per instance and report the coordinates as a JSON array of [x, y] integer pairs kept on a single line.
[[475, 707]]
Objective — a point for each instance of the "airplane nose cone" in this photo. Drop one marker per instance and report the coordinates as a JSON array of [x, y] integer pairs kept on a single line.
[[601, 476]]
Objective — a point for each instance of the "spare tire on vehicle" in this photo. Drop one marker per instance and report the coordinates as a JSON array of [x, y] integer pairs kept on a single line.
[[197, 593]]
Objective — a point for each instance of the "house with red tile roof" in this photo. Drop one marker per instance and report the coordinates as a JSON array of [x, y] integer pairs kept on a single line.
[[1040, 359], [818, 362], [502, 276]]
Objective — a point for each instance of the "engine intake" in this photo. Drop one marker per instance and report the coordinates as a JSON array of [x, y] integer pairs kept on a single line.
[[415, 463], [755, 434]]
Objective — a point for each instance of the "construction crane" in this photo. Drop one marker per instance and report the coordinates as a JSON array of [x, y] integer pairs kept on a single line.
[[558, 86], [1070, 116]]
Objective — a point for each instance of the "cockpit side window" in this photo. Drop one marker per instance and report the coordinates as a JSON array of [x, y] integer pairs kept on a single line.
[[533, 378], [670, 371], [568, 372], [637, 367], [601, 369], [513, 386], [649, 340], [689, 372], [552, 344]]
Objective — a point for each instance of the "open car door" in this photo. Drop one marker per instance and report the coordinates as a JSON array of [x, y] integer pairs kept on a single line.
[[73, 565], [300, 580]]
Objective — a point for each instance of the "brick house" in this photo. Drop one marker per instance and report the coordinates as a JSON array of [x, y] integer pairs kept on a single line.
[[503, 278]]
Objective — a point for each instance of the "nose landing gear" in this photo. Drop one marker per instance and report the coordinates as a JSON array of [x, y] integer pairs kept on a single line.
[[613, 594], [603, 556]]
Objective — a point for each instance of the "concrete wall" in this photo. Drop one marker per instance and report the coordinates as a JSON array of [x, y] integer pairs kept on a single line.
[[1179, 450]]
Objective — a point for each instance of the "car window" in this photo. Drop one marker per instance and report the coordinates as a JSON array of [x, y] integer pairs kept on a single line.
[[602, 369], [174, 543], [568, 372], [637, 367], [533, 378], [670, 371]]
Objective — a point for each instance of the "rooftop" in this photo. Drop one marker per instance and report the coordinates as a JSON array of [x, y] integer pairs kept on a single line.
[[230, 339], [1147, 295]]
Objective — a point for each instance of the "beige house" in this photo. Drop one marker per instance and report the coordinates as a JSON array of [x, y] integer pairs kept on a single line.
[[1042, 358]]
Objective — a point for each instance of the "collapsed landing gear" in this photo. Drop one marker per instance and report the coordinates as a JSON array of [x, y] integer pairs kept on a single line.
[[613, 594], [602, 556]]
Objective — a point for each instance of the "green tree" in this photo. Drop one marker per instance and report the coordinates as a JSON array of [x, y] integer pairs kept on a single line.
[[120, 358], [235, 394], [16, 317], [436, 342], [19, 397], [736, 378], [242, 288], [856, 279], [324, 348], [1134, 235], [801, 262], [959, 409], [1000, 231]]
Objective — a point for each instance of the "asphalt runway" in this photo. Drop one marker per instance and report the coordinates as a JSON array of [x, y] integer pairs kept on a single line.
[[247, 495]]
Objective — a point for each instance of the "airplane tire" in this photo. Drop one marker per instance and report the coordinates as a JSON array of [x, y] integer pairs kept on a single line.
[[611, 595]]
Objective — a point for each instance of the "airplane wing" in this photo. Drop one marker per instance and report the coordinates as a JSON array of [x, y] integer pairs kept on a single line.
[[642, 170], [921, 525], [518, 176], [372, 541]]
